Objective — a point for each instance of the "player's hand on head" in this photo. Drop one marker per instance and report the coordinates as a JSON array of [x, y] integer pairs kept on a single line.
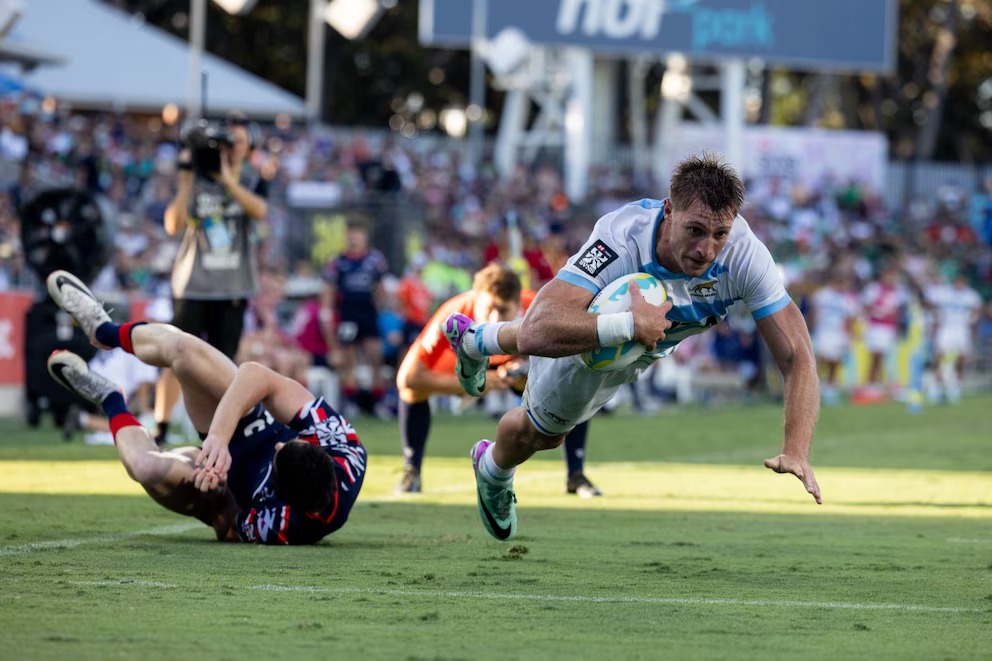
[[650, 321], [214, 456], [206, 481], [784, 463]]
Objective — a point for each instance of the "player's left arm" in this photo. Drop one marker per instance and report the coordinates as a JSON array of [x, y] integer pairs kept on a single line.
[[788, 339], [253, 383]]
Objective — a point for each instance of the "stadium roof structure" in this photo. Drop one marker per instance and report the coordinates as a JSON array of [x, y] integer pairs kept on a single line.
[[112, 59], [25, 55]]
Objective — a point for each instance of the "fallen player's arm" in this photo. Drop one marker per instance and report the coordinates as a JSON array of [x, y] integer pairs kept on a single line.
[[281, 396], [253, 383]]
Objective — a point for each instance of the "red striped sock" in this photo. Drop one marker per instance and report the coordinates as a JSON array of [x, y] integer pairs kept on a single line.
[[122, 421], [124, 333]]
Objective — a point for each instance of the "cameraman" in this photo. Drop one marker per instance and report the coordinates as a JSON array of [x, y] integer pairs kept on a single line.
[[216, 270]]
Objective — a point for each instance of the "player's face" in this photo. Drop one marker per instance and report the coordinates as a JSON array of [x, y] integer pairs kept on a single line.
[[239, 135], [489, 309], [692, 238], [358, 240]]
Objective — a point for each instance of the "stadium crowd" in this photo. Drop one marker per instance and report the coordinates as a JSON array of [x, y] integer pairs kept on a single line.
[[128, 162]]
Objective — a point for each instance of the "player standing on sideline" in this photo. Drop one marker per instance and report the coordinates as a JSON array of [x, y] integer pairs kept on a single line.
[[708, 257], [884, 303], [428, 369], [288, 480], [216, 269], [835, 307], [353, 287], [956, 308]]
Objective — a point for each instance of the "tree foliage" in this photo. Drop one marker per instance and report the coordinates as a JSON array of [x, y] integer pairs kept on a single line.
[[937, 104]]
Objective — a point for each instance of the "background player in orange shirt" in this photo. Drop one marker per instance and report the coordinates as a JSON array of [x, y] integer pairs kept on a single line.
[[429, 369]]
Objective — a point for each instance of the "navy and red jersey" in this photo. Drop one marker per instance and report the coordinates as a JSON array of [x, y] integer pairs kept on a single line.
[[355, 278], [263, 518]]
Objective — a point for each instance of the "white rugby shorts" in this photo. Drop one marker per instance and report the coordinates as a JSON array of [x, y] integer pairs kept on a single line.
[[880, 338], [562, 392]]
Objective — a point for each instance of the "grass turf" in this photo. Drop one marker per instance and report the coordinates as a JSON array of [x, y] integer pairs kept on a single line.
[[696, 551]]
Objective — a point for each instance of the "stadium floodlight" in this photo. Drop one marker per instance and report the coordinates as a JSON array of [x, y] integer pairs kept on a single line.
[[353, 18], [506, 52], [236, 7], [454, 121], [676, 83]]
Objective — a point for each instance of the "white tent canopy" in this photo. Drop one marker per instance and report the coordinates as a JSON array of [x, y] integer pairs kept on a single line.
[[114, 60]]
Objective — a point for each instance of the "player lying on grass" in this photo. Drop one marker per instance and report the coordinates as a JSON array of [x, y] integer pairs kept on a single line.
[[708, 258], [277, 466]]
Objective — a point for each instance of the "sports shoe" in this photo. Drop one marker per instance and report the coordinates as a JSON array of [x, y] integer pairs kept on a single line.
[[410, 482], [74, 297], [73, 373], [580, 485], [497, 505], [471, 372]]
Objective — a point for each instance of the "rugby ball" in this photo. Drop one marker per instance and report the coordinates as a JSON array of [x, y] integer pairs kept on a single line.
[[615, 297]]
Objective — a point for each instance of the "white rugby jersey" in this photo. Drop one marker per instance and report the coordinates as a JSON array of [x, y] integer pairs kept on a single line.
[[833, 310], [624, 242], [954, 308]]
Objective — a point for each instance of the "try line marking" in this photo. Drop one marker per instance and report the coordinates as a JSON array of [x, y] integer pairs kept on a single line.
[[495, 596]]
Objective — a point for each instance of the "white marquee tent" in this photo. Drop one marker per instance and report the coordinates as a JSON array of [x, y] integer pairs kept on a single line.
[[112, 59]]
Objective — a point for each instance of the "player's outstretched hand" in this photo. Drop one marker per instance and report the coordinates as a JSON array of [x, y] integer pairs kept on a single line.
[[784, 463], [214, 457], [650, 322]]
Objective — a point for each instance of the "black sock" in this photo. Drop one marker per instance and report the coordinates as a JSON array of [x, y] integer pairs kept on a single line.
[[415, 427], [162, 431], [575, 448]]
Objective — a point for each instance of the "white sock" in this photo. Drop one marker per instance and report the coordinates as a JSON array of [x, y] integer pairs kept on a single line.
[[485, 341], [492, 473]]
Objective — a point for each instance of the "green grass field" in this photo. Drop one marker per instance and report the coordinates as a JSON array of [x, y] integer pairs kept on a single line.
[[696, 551]]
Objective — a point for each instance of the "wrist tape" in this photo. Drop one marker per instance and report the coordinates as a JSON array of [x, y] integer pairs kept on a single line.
[[615, 329]]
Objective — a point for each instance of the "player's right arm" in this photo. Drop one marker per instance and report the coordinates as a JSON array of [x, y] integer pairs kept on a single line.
[[253, 383]]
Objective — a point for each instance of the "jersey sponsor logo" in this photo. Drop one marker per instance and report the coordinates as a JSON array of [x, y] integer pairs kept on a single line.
[[680, 330], [704, 289], [596, 258]]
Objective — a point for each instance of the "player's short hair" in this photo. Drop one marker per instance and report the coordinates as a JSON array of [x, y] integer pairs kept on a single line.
[[305, 476], [499, 281], [707, 179]]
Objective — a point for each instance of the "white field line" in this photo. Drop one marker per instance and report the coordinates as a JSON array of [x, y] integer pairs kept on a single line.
[[101, 539], [968, 540], [127, 582], [495, 596]]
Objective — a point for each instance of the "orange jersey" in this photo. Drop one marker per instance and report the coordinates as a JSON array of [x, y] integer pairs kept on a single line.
[[415, 299], [431, 347]]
